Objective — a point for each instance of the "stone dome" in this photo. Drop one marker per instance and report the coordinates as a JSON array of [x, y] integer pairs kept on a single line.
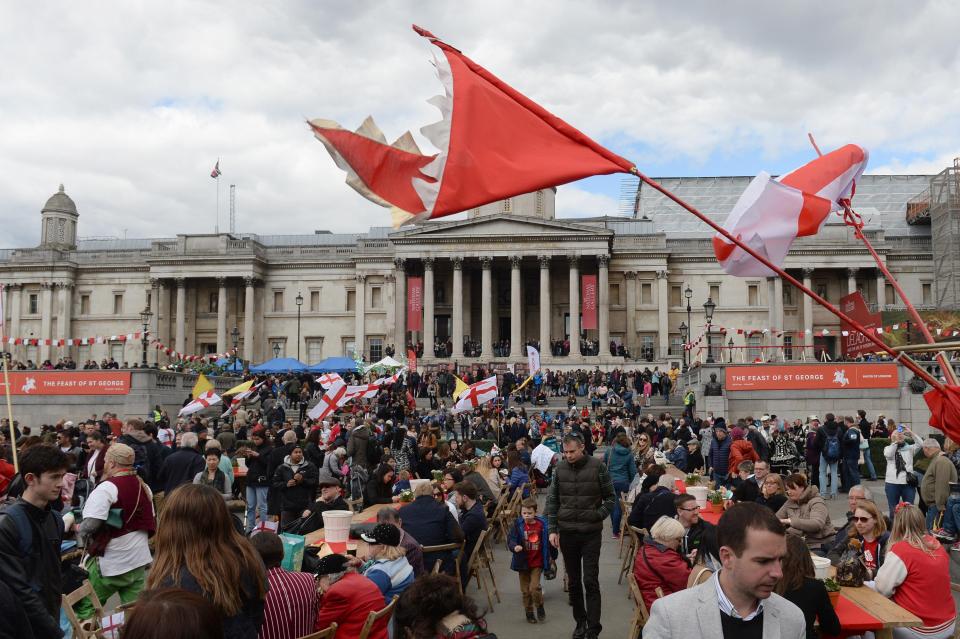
[[60, 202]]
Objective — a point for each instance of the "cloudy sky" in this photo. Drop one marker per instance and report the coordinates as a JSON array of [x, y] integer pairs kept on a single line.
[[130, 104]]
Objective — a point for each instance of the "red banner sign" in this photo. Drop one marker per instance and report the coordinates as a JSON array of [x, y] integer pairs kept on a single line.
[[412, 360], [854, 342], [68, 383], [588, 296], [415, 305], [811, 377]]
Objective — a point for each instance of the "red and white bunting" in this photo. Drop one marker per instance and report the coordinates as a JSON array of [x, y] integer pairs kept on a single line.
[[71, 341], [188, 358]]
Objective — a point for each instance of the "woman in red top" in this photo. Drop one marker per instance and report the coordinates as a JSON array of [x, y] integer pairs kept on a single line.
[[916, 575], [658, 564]]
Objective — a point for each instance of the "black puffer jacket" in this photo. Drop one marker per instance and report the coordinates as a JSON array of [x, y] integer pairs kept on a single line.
[[296, 497], [35, 579], [580, 496]]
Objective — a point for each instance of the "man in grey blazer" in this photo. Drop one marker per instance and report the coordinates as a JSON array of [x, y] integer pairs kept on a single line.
[[738, 602]]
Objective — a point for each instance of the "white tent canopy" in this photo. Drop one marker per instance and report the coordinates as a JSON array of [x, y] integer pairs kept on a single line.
[[386, 362]]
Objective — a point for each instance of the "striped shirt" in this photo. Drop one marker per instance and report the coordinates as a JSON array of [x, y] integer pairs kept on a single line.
[[291, 606]]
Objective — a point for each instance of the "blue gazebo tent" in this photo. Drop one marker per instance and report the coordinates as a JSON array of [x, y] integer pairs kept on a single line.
[[334, 365], [280, 365]]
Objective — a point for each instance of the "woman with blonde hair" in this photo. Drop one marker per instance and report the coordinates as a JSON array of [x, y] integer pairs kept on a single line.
[[659, 563], [198, 548], [489, 468], [916, 576], [869, 530], [773, 495], [388, 566]]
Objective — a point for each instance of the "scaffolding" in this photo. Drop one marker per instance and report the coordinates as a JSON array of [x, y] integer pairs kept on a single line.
[[944, 214]]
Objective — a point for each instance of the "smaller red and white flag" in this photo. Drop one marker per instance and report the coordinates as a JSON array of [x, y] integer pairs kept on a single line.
[[477, 395], [239, 398], [329, 379], [215, 173], [203, 400]]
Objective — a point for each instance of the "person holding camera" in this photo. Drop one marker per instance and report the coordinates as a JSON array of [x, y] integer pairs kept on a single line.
[[900, 483]]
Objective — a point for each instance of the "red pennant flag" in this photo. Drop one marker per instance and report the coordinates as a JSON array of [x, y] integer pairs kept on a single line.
[[494, 143], [414, 303]]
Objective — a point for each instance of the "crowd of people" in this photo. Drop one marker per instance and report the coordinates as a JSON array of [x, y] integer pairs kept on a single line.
[[134, 492]]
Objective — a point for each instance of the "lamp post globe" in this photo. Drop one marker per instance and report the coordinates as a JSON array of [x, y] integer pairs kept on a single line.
[[276, 350], [299, 301], [235, 334]]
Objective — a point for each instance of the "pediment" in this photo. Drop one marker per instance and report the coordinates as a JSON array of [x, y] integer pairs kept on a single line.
[[500, 226]]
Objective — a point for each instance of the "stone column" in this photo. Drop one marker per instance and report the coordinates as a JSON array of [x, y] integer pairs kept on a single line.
[[359, 328], [663, 315], [881, 291], [46, 313], [249, 307], [778, 314], [457, 317], [400, 274], [486, 309], [515, 308], [15, 309], [574, 305], [603, 321], [153, 355], [629, 340], [545, 306], [808, 314], [428, 293], [181, 343], [222, 316], [390, 305], [851, 280], [65, 311]]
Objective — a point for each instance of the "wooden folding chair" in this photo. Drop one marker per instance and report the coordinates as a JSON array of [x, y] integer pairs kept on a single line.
[[640, 613], [456, 562], [624, 511], [636, 535], [475, 568], [487, 560], [496, 519], [327, 633], [374, 617], [88, 628]]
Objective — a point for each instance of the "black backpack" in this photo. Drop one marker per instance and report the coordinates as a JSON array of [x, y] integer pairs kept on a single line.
[[831, 446]]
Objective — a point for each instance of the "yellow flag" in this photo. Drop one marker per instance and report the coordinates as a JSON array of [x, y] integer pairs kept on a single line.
[[202, 386], [239, 389], [460, 388]]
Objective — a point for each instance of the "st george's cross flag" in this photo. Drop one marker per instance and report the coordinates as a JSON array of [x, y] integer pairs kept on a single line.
[[203, 400], [328, 379], [334, 398], [494, 143], [237, 400], [477, 395], [772, 213], [216, 172]]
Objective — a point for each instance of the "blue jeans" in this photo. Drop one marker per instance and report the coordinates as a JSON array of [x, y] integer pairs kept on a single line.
[[829, 469], [851, 471], [256, 501], [932, 515], [897, 493], [618, 487], [868, 464], [951, 515]]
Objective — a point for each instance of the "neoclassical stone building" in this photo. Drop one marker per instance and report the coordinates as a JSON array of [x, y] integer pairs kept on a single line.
[[507, 271]]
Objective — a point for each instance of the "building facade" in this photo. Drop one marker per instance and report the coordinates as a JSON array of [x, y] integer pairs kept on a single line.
[[500, 276]]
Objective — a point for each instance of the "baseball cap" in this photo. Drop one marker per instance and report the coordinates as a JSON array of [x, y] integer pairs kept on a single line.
[[331, 564], [385, 534]]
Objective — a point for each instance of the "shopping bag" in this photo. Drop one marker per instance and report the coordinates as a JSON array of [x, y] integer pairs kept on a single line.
[[292, 551]]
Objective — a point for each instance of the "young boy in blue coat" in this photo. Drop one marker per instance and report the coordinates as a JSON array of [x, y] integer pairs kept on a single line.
[[531, 556]]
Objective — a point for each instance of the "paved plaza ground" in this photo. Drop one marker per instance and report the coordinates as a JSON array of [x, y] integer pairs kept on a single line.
[[508, 620]]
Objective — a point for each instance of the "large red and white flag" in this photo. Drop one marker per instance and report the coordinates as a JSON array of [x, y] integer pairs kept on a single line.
[[329, 379], [203, 400], [772, 213], [494, 143], [330, 401], [477, 395]]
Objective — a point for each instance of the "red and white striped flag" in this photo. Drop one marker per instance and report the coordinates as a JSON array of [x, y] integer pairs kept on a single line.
[[215, 173], [203, 400], [772, 213], [477, 395]]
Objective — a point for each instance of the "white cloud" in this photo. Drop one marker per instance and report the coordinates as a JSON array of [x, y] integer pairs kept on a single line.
[[130, 104]]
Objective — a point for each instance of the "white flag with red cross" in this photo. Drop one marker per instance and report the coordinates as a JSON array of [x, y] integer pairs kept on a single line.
[[329, 379], [477, 395], [203, 400], [334, 398]]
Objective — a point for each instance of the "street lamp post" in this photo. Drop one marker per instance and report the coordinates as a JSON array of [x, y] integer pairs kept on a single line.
[[688, 293], [299, 304], [145, 316], [683, 336], [235, 334], [730, 358], [708, 308], [276, 350]]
